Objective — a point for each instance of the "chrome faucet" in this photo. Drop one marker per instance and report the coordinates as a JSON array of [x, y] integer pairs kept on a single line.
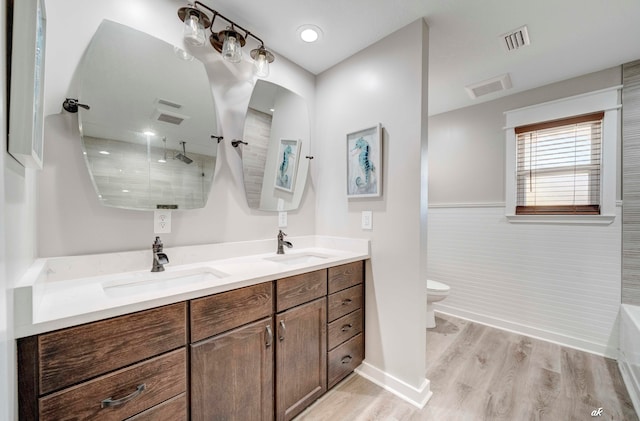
[[159, 258], [282, 242]]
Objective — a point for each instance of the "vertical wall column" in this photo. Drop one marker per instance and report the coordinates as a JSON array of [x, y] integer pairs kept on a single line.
[[631, 183]]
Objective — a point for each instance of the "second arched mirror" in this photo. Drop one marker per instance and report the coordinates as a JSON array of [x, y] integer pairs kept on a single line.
[[275, 148]]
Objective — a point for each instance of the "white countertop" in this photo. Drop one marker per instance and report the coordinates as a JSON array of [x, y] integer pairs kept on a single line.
[[66, 291]]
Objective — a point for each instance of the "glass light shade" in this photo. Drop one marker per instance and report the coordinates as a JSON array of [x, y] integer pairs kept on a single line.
[[261, 65], [193, 30], [231, 49]]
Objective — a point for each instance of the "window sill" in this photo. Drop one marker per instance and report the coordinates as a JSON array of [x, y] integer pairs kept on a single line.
[[562, 219]]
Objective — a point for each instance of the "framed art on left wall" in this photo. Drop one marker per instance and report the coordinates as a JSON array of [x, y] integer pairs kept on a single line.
[[364, 163], [26, 100]]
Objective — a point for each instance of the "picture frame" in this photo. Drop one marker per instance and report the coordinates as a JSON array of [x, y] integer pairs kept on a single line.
[[26, 115], [287, 164], [364, 163]]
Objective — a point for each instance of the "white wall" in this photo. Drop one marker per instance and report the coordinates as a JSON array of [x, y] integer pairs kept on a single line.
[[71, 221], [557, 282], [385, 83], [467, 150]]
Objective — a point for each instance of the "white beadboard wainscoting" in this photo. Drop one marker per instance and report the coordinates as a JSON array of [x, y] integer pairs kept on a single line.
[[557, 282]]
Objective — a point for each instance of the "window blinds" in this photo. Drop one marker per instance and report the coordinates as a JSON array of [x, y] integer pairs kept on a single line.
[[558, 166]]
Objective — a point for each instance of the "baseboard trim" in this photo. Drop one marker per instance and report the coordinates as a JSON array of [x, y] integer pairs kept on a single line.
[[545, 335], [417, 397]]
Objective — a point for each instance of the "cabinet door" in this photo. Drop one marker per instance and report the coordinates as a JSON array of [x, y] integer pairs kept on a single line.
[[232, 375], [301, 364]]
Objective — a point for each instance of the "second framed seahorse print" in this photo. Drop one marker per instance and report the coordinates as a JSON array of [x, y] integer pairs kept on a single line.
[[364, 163], [287, 168]]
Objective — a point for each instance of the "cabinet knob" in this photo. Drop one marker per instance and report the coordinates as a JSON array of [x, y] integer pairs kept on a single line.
[[346, 301], [346, 327], [110, 402]]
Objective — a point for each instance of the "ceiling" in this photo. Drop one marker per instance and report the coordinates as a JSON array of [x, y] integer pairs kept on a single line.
[[568, 37]]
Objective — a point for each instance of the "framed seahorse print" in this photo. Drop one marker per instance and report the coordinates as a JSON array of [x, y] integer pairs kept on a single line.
[[364, 163], [287, 164]]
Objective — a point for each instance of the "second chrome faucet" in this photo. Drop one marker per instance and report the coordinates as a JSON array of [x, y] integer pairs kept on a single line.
[[159, 257], [282, 243]]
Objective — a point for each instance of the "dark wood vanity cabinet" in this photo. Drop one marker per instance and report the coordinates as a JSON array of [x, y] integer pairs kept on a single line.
[[301, 342], [232, 355], [107, 370], [256, 353], [232, 374], [345, 318]]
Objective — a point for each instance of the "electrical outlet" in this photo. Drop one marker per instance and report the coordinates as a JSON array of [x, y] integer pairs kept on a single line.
[[282, 219], [162, 221], [367, 220]]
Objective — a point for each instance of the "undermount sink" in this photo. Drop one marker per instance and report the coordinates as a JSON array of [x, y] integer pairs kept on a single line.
[[145, 282], [298, 258]]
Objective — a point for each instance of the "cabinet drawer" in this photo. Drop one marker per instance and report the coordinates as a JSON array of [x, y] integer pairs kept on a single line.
[[344, 328], [225, 311], [345, 276], [72, 355], [300, 289], [163, 377], [175, 409], [344, 359], [344, 302]]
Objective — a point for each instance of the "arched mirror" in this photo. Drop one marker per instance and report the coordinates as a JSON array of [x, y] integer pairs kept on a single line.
[[275, 152], [147, 134]]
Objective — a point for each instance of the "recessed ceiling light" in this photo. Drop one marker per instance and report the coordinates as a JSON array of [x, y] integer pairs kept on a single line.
[[309, 33], [104, 152]]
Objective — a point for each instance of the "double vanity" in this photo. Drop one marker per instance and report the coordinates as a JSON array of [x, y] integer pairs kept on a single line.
[[226, 331], [218, 331]]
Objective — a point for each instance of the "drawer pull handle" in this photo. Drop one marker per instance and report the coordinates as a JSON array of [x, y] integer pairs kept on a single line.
[[346, 301], [269, 341], [346, 327], [110, 402], [283, 330], [346, 360]]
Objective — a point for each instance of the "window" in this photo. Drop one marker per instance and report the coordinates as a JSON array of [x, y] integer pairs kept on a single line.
[[558, 166], [562, 161]]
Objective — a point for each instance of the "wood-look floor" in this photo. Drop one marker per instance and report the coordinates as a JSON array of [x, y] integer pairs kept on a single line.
[[481, 373]]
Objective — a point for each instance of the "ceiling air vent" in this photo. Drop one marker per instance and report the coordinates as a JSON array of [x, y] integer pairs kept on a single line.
[[496, 84], [169, 117], [168, 103], [515, 39]]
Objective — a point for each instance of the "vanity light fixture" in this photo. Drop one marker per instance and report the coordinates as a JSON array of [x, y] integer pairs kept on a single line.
[[228, 42]]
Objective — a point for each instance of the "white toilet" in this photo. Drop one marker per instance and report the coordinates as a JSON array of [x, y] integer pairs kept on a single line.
[[436, 291]]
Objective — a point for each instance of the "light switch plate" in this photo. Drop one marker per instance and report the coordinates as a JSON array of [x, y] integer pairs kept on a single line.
[[367, 220], [162, 221], [282, 219]]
